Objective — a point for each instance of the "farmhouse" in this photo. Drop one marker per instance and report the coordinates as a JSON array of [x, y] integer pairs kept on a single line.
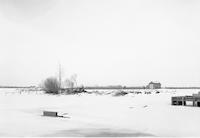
[[154, 85]]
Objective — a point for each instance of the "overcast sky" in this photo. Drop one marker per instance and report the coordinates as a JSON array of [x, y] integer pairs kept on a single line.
[[104, 42]]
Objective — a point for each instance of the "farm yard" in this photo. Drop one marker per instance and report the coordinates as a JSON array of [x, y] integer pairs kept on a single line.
[[98, 113]]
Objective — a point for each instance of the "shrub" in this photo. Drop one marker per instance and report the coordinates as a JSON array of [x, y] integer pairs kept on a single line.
[[51, 85]]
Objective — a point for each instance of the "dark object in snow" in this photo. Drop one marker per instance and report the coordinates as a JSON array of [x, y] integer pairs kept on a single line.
[[138, 92], [157, 92], [182, 100], [145, 106], [50, 113], [121, 93], [79, 90], [74, 90], [147, 93]]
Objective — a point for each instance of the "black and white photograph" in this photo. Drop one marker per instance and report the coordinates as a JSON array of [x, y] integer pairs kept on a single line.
[[99, 68]]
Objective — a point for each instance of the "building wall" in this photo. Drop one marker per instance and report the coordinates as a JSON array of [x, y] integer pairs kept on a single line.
[[151, 86], [154, 86]]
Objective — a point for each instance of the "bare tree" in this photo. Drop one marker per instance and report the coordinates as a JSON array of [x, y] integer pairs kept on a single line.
[[71, 83], [73, 79], [51, 85]]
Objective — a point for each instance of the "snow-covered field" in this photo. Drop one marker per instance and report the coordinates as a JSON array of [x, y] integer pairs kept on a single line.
[[97, 115]]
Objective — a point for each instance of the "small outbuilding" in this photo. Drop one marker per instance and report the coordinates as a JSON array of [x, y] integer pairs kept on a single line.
[[182, 100]]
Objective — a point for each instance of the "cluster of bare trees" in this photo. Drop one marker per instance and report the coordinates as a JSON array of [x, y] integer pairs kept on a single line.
[[71, 82], [53, 85]]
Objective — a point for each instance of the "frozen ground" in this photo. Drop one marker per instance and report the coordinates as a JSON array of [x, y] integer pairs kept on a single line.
[[97, 115]]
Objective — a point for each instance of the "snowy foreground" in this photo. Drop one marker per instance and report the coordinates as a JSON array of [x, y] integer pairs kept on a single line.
[[97, 115]]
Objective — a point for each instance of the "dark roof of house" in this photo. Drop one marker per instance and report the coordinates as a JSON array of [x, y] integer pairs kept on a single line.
[[154, 82]]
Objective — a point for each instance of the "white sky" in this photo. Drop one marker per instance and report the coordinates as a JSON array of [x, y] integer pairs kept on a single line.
[[105, 42]]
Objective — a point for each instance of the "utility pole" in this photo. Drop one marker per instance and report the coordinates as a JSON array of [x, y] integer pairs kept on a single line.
[[60, 78]]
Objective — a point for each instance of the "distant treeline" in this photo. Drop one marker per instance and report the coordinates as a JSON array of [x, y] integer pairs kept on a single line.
[[181, 88], [107, 87], [138, 87], [17, 86]]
